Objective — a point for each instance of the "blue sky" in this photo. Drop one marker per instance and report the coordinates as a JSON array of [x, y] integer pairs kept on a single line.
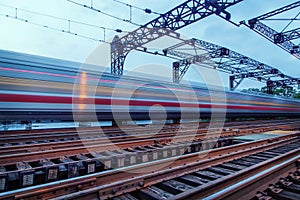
[[23, 37]]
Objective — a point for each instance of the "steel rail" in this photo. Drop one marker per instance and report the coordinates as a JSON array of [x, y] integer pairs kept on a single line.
[[185, 168], [258, 182], [86, 136], [28, 153], [239, 176], [110, 183], [32, 154], [30, 136]]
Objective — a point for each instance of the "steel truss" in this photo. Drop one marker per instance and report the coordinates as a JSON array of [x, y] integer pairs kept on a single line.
[[225, 60], [281, 39], [186, 13]]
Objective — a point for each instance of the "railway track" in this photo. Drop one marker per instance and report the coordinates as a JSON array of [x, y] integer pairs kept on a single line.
[[281, 181], [31, 152], [45, 136], [32, 163], [82, 159], [102, 144], [113, 182], [285, 188], [22, 143], [204, 183]]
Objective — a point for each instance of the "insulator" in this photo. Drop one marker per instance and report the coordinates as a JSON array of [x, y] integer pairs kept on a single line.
[[148, 11], [165, 52]]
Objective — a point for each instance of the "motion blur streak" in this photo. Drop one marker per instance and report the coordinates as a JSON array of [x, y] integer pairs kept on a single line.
[[82, 96], [40, 88]]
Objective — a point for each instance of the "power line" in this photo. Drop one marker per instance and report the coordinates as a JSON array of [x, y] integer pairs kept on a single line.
[[292, 20], [52, 28], [281, 19], [61, 19], [104, 13], [64, 19], [146, 10]]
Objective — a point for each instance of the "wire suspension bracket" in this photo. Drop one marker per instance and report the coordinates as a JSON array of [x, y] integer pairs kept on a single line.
[[282, 39], [225, 60], [185, 14]]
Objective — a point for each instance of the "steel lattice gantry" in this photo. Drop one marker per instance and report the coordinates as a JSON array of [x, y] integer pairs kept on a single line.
[[225, 60], [281, 39], [186, 13]]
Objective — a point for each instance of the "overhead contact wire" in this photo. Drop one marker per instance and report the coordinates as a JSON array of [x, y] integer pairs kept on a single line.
[[146, 10], [104, 13], [58, 18]]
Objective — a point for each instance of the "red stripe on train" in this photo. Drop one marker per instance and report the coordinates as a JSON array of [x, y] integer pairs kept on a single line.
[[25, 98]]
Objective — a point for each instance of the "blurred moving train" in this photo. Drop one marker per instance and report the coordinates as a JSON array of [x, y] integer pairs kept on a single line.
[[41, 88]]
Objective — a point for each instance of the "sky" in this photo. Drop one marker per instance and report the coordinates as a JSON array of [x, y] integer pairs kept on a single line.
[[24, 37]]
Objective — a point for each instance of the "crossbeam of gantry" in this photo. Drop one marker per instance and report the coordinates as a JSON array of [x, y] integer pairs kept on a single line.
[[282, 39], [223, 59], [182, 15]]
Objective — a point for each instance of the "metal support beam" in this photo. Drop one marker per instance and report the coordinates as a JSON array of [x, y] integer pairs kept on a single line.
[[287, 36], [120, 47], [185, 14], [281, 39], [176, 72], [278, 11], [179, 69], [270, 34], [225, 60], [182, 66], [234, 83]]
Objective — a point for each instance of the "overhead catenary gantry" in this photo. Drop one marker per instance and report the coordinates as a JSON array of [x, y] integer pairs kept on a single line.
[[186, 13], [282, 39], [217, 57], [225, 60]]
